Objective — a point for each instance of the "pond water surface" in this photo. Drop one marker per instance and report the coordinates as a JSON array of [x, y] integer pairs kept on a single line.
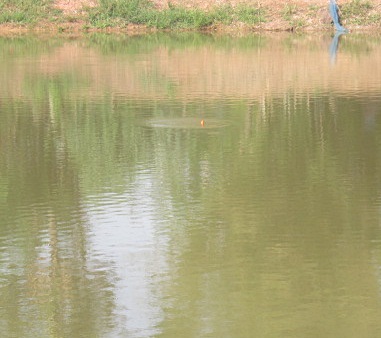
[[122, 214]]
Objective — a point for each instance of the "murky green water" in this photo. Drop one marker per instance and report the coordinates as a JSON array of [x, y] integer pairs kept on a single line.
[[122, 215]]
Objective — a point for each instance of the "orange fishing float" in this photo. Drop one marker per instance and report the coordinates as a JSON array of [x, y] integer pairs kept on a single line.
[[202, 123]]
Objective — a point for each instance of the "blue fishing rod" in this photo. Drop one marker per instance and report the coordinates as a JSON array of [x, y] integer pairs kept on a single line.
[[334, 11]]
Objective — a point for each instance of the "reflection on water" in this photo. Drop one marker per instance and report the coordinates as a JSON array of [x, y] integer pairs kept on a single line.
[[185, 123], [333, 47], [121, 215]]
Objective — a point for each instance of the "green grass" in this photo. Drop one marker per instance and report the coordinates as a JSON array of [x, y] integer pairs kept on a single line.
[[359, 12], [289, 11], [117, 13], [120, 13], [180, 18], [248, 14], [23, 11]]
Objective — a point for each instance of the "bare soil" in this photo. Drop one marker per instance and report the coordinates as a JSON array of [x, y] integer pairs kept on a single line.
[[74, 7]]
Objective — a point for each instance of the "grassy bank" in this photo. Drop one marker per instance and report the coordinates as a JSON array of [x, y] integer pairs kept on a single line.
[[142, 12], [138, 14], [24, 11]]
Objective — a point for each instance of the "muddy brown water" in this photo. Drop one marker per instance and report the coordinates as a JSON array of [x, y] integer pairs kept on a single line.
[[121, 215]]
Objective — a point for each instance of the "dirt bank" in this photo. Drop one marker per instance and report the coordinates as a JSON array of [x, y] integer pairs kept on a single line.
[[286, 15]]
